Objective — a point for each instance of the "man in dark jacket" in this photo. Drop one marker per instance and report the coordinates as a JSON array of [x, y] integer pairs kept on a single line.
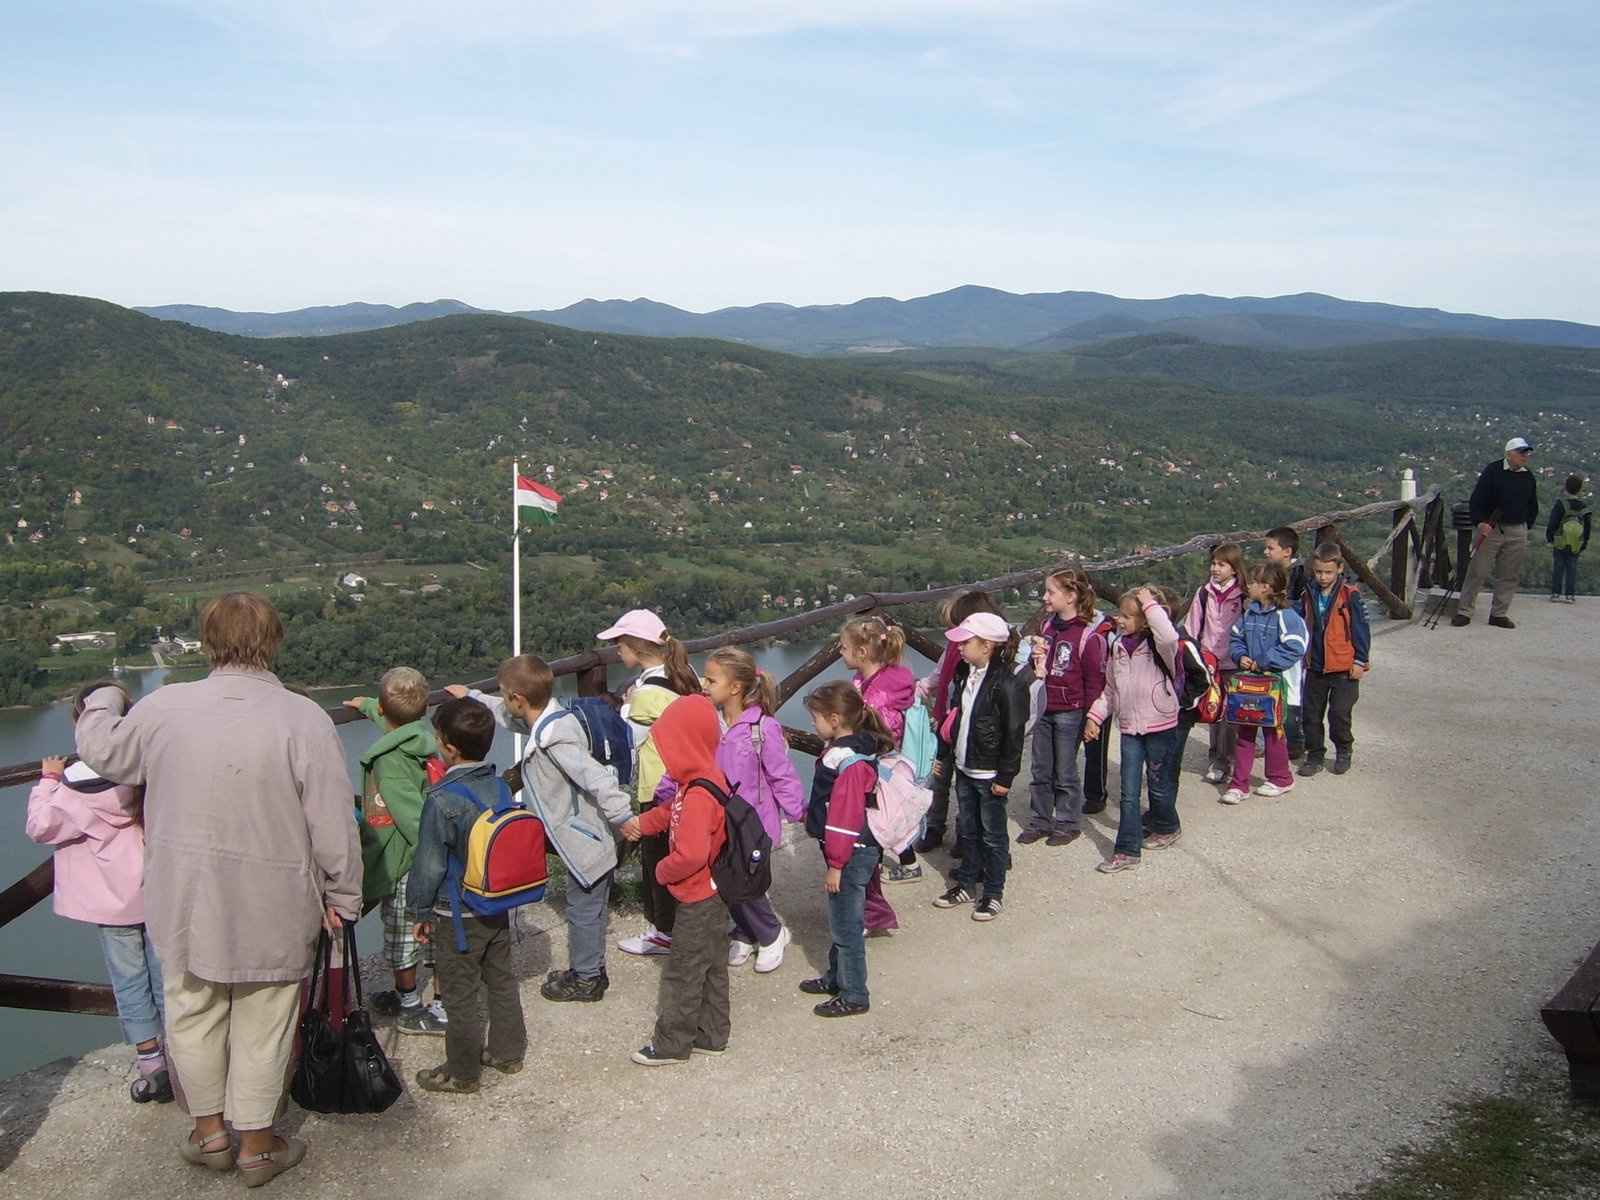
[[1503, 504]]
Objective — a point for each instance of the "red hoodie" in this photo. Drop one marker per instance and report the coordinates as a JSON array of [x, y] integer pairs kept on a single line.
[[687, 734]]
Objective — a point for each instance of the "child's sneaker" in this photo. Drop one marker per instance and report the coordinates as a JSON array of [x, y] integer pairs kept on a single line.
[[987, 909], [953, 898], [1118, 862], [1160, 841], [901, 873], [440, 1080], [423, 1019], [651, 941], [646, 1056], [1341, 764], [1311, 766], [153, 1088], [1215, 774], [569, 985], [506, 1066], [840, 1007], [770, 958], [385, 1004], [1271, 789], [739, 952], [1232, 796]]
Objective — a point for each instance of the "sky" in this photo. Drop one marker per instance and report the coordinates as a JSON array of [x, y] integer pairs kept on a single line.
[[266, 155]]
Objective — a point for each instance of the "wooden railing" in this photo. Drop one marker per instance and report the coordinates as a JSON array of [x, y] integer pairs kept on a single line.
[[1416, 549]]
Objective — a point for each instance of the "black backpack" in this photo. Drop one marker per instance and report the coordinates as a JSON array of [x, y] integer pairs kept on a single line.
[[742, 869]]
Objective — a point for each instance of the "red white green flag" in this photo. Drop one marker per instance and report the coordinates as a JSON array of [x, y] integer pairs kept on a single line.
[[535, 495]]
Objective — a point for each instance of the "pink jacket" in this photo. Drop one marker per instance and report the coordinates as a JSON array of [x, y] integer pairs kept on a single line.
[[1137, 689], [891, 691], [1210, 619], [99, 859]]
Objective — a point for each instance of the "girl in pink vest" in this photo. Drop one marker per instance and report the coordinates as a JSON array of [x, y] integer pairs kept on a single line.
[[97, 829]]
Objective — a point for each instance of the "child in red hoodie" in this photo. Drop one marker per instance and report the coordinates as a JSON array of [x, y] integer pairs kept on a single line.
[[693, 1015]]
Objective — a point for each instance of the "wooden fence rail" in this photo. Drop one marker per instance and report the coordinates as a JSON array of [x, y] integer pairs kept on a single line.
[[1415, 547]]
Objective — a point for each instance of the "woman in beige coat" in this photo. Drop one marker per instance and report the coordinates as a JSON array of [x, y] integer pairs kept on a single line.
[[250, 848]]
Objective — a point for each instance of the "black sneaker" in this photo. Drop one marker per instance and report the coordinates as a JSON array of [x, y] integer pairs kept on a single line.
[[1094, 806], [1502, 622], [818, 987], [1063, 837], [385, 1004], [647, 1056], [953, 898], [1311, 766], [1341, 764], [840, 1007], [931, 840], [987, 909], [569, 985], [1296, 753], [1459, 620]]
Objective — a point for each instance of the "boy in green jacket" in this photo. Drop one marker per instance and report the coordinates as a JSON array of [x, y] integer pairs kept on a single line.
[[394, 779]]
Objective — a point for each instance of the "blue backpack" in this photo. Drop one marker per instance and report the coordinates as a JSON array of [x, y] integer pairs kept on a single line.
[[610, 740], [919, 744]]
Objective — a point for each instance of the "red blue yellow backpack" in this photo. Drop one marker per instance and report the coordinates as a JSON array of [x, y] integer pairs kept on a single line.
[[503, 864]]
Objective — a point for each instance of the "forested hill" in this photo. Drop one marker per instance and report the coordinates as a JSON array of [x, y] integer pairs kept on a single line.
[[701, 474]]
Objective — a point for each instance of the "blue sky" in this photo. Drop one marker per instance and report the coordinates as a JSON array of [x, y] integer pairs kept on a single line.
[[514, 154]]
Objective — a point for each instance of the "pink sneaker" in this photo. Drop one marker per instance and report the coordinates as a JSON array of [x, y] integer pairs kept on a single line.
[[651, 941], [1118, 862]]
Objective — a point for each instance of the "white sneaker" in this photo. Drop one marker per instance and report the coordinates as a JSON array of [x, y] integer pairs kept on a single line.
[[651, 941], [770, 958], [1271, 789], [739, 952], [1232, 796], [1215, 775]]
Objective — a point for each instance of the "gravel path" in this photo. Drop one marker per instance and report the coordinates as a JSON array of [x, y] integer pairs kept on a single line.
[[1263, 1010]]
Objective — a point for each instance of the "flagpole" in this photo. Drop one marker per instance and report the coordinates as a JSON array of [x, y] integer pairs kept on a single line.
[[516, 585]]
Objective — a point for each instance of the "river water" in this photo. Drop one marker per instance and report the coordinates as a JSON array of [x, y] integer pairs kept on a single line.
[[40, 943]]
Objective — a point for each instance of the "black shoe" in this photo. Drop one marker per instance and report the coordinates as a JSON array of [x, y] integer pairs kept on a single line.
[[1502, 622], [818, 987], [1094, 806], [647, 1056], [1063, 837], [1311, 766], [569, 985], [1341, 764], [931, 840], [385, 1004], [1031, 835], [1459, 620], [840, 1007], [1296, 753]]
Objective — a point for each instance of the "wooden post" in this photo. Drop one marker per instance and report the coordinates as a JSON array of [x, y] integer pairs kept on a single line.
[[809, 670], [27, 891], [57, 995]]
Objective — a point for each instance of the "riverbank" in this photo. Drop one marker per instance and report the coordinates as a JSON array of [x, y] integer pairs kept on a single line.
[[1267, 1009]]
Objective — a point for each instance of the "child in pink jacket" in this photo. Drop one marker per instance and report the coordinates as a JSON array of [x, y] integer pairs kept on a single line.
[[97, 829]]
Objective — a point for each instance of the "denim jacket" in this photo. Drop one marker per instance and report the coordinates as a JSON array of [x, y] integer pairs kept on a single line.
[[446, 821]]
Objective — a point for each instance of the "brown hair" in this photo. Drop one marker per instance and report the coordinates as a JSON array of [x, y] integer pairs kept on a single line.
[[962, 605], [882, 642], [529, 676], [1574, 484], [83, 695], [1276, 579], [1232, 554], [840, 699], [1328, 552], [669, 652], [403, 695], [755, 685], [241, 629], [1075, 579], [467, 724], [1285, 537]]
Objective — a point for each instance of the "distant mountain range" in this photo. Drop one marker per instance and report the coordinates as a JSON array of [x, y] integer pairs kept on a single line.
[[1039, 322]]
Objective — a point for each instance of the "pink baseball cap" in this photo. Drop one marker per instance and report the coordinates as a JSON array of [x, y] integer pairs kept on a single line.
[[984, 625], [639, 623]]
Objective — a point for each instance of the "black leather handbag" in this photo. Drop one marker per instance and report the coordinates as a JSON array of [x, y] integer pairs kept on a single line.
[[344, 1070]]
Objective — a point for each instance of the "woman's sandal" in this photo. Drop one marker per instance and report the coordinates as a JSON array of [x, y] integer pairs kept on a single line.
[[262, 1168], [217, 1159]]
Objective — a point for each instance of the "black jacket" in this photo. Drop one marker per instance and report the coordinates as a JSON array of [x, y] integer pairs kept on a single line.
[[999, 716], [1504, 497]]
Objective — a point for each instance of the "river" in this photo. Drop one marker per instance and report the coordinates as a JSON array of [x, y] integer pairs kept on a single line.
[[40, 943]]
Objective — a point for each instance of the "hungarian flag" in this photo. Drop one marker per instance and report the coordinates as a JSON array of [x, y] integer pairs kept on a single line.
[[535, 495]]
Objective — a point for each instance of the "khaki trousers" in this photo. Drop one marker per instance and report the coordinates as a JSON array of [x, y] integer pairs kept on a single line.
[[230, 1045], [1501, 553]]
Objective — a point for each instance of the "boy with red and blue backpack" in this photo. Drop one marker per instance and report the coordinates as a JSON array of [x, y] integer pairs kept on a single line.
[[474, 954], [1338, 654]]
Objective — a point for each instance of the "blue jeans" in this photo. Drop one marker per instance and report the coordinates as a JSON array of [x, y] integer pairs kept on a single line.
[[1564, 580], [587, 911], [982, 817], [1145, 758], [1055, 794], [135, 981], [847, 957]]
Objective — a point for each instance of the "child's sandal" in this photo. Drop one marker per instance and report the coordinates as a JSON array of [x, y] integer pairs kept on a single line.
[[155, 1088]]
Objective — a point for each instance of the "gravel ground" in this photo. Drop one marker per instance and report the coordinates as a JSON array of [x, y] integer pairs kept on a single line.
[[1264, 1010]]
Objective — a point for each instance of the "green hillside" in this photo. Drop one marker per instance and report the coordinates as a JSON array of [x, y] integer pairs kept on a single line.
[[153, 461]]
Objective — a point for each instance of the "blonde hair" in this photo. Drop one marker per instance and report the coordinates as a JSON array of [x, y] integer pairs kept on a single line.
[[755, 685], [879, 641], [529, 676], [1077, 579], [241, 629], [961, 606], [403, 695], [840, 699]]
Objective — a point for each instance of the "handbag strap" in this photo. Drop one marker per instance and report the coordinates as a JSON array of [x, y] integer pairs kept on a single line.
[[321, 969], [352, 966]]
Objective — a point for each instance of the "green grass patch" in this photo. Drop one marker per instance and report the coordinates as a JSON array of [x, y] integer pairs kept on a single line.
[[1529, 1143]]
